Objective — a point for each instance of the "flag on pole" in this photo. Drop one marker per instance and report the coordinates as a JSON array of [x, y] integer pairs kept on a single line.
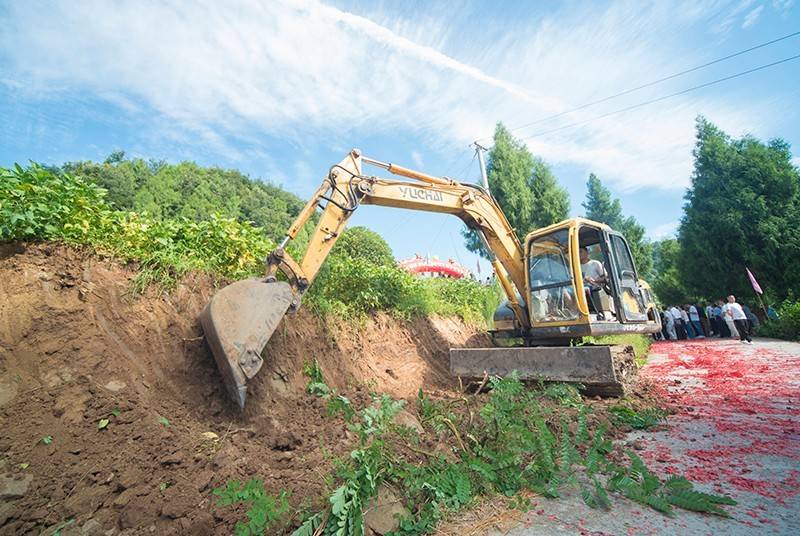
[[753, 281], [479, 266]]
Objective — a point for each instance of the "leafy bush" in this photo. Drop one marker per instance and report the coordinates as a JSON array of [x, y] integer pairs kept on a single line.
[[362, 243], [787, 326], [38, 204], [35, 203], [361, 276]]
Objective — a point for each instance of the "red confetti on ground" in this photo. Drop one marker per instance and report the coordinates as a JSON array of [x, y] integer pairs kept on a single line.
[[748, 398]]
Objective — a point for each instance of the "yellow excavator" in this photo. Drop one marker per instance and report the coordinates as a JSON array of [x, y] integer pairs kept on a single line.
[[549, 303]]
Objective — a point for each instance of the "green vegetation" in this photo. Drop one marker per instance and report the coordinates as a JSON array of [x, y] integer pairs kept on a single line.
[[667, 282], [742, 210], [524, 187], [266, 511], [641, 343], [188, 191], [515, 440], [788, 324], [359, 277], [38, 204], [641, 419]]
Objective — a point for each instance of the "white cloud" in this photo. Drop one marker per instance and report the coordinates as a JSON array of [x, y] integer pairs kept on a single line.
[[665, 230], [752, 17], [796, 161], [416, 157], [302, 70]]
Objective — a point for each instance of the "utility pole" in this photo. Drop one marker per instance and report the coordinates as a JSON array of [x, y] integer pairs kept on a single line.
[[479, 150]]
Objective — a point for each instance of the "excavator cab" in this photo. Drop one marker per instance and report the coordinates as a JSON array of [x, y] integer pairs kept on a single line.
[[561, 305]]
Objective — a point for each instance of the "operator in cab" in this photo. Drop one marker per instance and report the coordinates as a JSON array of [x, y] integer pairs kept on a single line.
[[594, 277]]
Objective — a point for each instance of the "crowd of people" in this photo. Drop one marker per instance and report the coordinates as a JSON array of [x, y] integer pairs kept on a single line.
[[723, 319]]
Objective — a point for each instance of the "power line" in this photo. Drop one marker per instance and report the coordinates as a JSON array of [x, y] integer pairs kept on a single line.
[[654, 82], [664, 97]]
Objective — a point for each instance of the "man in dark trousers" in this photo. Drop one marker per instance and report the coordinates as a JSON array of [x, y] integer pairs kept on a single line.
[[735, 312]]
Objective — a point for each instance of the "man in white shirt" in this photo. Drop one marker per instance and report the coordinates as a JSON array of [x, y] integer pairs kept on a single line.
[[735, 312], [677, 318], [594, 277]]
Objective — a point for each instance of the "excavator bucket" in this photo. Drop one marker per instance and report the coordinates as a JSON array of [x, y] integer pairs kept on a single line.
[[602, 370], [238, 322]]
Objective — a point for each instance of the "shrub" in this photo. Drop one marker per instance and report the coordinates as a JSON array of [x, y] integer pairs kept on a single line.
[[38, 204], [787, 326], [362, 243]]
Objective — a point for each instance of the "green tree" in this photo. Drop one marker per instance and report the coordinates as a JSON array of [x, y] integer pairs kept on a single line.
[[524, 187], [667, 283], [601, 206], [191, 191], [362, 243], [742, 209]]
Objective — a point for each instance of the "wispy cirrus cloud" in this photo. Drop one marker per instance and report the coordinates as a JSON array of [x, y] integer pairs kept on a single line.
[[305, 70], [752, 17]]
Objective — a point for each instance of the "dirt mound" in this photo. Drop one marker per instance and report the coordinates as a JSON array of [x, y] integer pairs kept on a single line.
[[114, 415]]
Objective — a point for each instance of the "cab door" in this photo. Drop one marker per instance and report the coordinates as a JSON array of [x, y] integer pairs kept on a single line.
[[629, 298]]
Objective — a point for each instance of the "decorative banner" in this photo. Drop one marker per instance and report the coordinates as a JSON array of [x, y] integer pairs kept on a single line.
[[753, 281]]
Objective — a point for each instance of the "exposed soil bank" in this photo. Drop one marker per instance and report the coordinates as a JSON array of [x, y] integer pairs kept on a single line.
[[76, 348]]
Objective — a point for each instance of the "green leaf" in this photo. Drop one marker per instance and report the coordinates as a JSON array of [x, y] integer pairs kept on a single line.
[[47, 439], [163, 420], [24, 465], [102, 424], [116, 412]]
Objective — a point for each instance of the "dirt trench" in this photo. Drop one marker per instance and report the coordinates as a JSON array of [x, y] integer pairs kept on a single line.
[[77, 349]]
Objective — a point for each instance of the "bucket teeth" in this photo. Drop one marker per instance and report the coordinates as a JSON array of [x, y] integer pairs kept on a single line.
[[238, 322]]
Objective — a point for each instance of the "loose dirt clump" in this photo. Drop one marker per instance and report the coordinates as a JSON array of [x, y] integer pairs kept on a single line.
[[114, 417]]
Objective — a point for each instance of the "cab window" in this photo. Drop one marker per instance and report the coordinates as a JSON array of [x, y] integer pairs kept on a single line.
[[550, 276]]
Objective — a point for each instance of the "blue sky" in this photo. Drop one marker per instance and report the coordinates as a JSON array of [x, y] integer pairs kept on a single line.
[[281, 90]]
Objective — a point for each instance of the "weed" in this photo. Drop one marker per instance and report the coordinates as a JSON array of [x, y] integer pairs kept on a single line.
[[316, 382], [47, 439], [163, 421], [265, 510], [638, 420], [566, 394], [102, 424]]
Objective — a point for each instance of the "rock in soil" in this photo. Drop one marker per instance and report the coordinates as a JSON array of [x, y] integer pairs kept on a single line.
[[382, 515]]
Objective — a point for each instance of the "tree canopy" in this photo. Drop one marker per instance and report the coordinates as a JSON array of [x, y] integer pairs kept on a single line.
[[601, 206], [524, 187], [191, 191], [742, 210], [667, 283]]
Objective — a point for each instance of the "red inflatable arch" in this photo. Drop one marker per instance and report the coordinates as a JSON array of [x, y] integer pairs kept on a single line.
[[434, 267]]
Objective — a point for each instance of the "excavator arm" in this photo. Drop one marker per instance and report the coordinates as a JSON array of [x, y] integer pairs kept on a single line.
[[346, 187], [240, 319]]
